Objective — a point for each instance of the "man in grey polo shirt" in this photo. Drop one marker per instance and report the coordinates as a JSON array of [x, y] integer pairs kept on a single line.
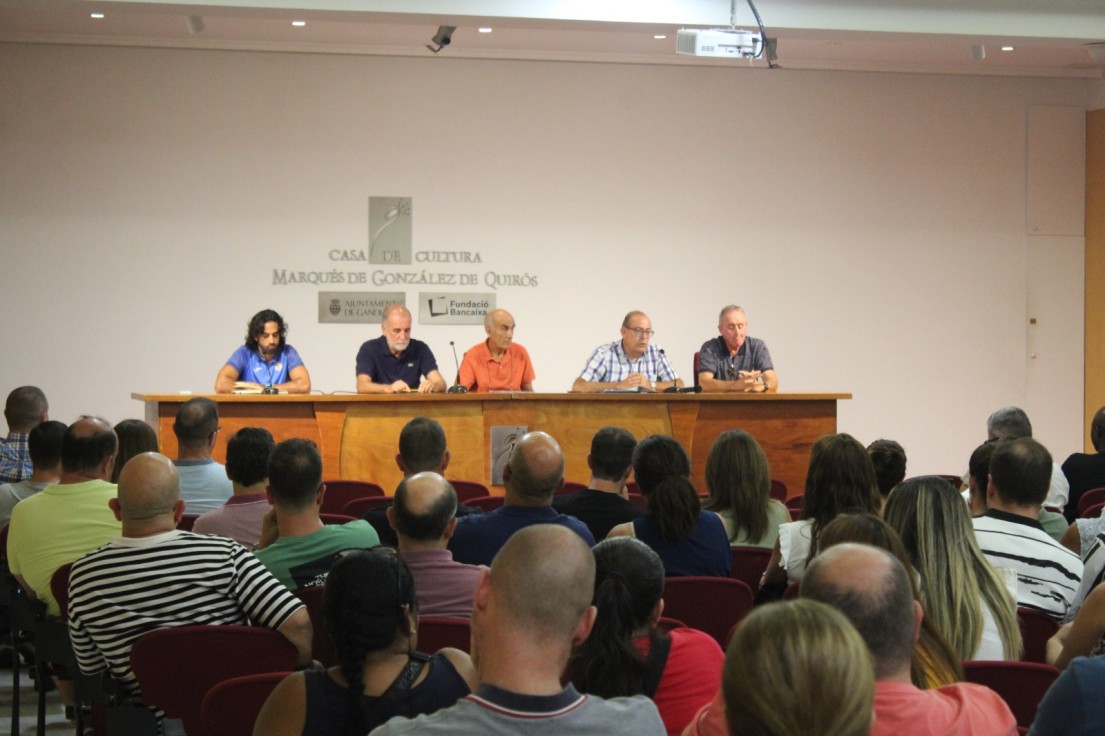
[[734, 362]]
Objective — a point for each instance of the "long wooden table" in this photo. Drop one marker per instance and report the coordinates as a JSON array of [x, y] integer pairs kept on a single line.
[[358, 435]]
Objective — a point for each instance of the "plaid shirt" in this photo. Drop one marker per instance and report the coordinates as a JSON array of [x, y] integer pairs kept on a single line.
[[15, 460], [610, 364]]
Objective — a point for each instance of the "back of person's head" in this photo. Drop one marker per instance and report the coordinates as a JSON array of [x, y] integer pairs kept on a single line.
[[247, 455], [840, 479], [739, 481], [956, 579], [979, 465], [422, 445], [135, 437], [612, 453], [536, 468], [44, 444], [196, 420], [1008, 423], [1097, 430], [424, 505], [888, 458], [295, 474], [148, 488], [25, 408], [629, 583], [1021, 471], [542, 580], [86, 444], [367, 606], [797, 667], [256, 327], [873, 591], [662, 470]]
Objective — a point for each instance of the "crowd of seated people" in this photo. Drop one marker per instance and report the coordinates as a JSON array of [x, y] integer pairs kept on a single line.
[[567, 630]]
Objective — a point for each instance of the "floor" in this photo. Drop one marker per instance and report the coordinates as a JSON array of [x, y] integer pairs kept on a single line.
[[28, 703]]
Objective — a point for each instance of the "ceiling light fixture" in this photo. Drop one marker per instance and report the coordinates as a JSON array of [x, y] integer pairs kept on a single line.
[[299, 23], [96, 16], [660, 36], [485, 30], [1006, 48]]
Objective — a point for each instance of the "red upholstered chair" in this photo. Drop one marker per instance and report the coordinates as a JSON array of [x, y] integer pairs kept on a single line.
[[358, 507], [322, 648], [791, 592], [1036, 629], [1020, 684], [955, 480], [1092, 511], [231, 707], [467, 489], [187, 521], [637, 500], [176, 667], [1089, 498], [341, 492], [794, 506], [709, 604], [749, 564], [337, 519], [435, 632], [694, 367], [632, 487], [779, 490], [487, 503], [570, 487]]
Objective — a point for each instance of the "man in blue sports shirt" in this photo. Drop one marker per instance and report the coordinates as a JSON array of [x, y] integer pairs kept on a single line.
[[266, 361]]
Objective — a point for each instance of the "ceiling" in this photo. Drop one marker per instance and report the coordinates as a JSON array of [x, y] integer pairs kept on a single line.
[[1052, 38]]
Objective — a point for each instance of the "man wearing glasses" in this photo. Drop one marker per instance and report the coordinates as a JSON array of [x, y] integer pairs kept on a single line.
[[733, 361], [629, 364]]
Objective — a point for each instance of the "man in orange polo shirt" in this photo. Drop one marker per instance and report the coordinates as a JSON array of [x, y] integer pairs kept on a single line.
[[497, 363]]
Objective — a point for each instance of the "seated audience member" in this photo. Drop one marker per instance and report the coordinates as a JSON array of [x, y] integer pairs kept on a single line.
[[796, 667], [889, 461], [1073, 705], [266, 361], [531, 608], [734, 361], [372, 617], [295, 545], [1084, 636], [631, 363], [690, 541], [63, 521], [973, 605], [934, 662], [604, 503], [135, 437], [155, 576], [1010, 423], [978, 478], [424, 518], [396, 363], [873, 591], [1084, 471], [247, 467], [626, 654], [498, 363], [1048, 574], [840, 479], [24, 410], [531, 477], [739, 482], [203, 482], [44, 443], [422, 447]]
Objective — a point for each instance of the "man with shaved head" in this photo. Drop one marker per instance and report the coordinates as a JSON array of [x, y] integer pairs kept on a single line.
[[532, 607], [395, 363], [531, 477], [155, 576], [203, 482], [498, 363], [423, 516]]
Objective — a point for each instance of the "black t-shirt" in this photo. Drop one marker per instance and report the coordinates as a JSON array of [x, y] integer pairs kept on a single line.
[[599, 510]]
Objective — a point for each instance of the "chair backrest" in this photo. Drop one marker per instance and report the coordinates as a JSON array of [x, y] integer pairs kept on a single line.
[[358, 507], [570, 487], [1089, 498], [694, 367], [1020, 684], [467, 489], [176, 667], [633, 487], [187, 521], [638, 500], [341, 492], [779, 490], [1092, 511], [435, 632], [487, 503], [791, 591], [955, 480], [1036, 629], [336, 519], [59, 586], [231, 707], [709, 604], [749, 564], [794, 506], [322, 648]]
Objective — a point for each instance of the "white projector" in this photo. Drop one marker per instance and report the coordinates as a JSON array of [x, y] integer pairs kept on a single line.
[[718, 42]]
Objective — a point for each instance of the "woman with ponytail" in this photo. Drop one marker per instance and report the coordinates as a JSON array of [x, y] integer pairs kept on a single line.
[[626, 654], [371, 616], [689, 540]]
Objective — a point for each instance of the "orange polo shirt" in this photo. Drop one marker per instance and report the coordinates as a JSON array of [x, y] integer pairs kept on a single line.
[[480, 372]]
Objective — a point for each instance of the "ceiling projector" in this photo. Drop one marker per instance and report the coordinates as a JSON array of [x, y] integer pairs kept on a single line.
[[721, 42]]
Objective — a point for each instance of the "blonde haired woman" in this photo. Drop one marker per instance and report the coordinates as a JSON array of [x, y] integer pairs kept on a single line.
[[970, 603]]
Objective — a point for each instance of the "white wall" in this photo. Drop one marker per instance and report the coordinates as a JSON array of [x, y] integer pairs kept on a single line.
[[872, 225]]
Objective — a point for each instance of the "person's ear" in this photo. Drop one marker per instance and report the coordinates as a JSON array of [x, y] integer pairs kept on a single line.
[[113, 504]]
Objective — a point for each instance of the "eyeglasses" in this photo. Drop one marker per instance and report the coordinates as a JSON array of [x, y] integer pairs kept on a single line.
[[641, 331]]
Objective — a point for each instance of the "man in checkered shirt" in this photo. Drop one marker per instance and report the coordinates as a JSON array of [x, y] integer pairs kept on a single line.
[[631, 363]]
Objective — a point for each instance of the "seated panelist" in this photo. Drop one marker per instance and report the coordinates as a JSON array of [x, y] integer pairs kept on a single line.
[[498, 363], [631, 363], [733, 361], [266, 361], [395, 363]]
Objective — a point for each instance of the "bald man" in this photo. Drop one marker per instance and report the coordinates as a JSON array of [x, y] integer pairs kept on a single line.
[[155, 576], [498, 363], [424, 518], [532, 607], [531, 477], [395, 363], [58, 525], [630, 364]]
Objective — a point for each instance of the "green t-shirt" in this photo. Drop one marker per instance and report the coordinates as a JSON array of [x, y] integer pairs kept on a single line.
[[299, 562]]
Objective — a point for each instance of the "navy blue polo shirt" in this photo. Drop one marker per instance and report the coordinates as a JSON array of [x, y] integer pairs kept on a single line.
[[376, 361]]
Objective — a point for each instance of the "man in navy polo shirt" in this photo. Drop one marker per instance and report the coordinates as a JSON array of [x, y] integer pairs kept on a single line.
[[266, 360], [394, 362]]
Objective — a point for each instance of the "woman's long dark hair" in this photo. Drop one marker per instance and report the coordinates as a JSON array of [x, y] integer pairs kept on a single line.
[[629, 582], [840, 480], [662, 470], [368, 595], [739, 482]]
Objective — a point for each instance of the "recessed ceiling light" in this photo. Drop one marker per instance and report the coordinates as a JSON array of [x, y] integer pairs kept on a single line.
[[97, 16], [485, 30], [299, 23], [660, 36], [1006, 48]]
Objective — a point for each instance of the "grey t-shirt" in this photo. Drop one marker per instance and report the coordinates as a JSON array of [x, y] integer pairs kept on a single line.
[[713, 357]]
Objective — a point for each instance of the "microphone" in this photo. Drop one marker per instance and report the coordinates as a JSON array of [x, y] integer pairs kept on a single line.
[[456, 388], [676, 389]]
